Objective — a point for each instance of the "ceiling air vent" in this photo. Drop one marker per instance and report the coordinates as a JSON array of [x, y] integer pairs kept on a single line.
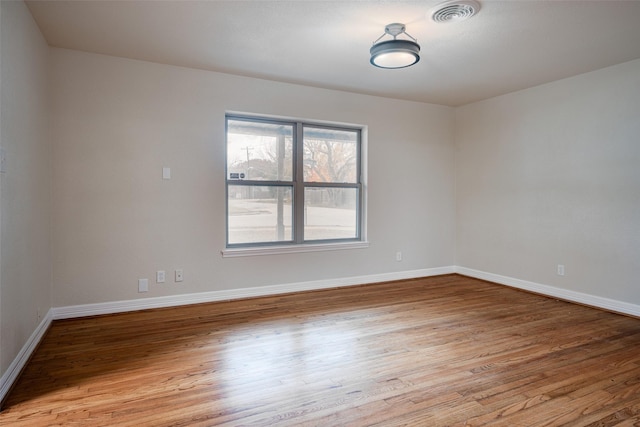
[[456, 10]]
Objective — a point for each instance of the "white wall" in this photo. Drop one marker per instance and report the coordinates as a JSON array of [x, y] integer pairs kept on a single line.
[[25, 202], [117, 122], [551, 175]]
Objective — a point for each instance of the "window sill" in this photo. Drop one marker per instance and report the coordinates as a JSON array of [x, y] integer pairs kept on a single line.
[[292, 249]]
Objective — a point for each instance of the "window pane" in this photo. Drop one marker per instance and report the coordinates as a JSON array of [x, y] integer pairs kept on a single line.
[[259, 151], [330, 155], [330, 213], [259, 214]]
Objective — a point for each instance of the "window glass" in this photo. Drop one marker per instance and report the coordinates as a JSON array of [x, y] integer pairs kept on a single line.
[[258, 214], [258, 151], [330, 213], [330, 155]]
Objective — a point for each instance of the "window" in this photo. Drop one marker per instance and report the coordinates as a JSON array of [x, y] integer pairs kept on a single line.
[[291, 183]]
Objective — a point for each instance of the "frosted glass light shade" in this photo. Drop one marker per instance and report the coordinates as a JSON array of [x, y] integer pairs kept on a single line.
[[395, 53]]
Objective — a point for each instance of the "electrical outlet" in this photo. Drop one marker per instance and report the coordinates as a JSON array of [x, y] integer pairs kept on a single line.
[[179, 276], [160, 276], [143, 285], [560, 270], [398, 256]]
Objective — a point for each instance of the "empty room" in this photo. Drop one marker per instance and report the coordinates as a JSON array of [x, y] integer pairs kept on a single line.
[[320, 213]]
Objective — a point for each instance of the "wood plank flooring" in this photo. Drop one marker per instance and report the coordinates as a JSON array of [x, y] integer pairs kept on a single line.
[[440, 351]]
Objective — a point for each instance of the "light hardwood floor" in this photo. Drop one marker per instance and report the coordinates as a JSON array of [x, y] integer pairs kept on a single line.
[[440, 351]]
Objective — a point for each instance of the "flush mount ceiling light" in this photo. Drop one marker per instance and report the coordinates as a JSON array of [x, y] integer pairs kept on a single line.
[[396, 53], [455, 10]]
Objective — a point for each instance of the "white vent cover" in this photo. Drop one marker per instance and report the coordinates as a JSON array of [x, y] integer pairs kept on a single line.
[[455, 10]]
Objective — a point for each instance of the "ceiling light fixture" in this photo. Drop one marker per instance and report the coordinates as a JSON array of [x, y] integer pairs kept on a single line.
[[454, 10], [396, 53]]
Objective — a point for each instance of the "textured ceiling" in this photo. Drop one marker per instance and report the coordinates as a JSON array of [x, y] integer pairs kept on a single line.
[[507, 46]]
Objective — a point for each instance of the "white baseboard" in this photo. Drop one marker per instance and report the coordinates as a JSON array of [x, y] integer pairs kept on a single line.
[[552, 291], [83, 310], [11, 374]]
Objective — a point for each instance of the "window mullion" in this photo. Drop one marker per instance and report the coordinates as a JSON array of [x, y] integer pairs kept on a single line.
[[298, 211], [332, 184], [260, 183]]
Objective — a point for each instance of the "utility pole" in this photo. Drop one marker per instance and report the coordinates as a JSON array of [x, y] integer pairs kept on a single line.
[[248, 174]]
